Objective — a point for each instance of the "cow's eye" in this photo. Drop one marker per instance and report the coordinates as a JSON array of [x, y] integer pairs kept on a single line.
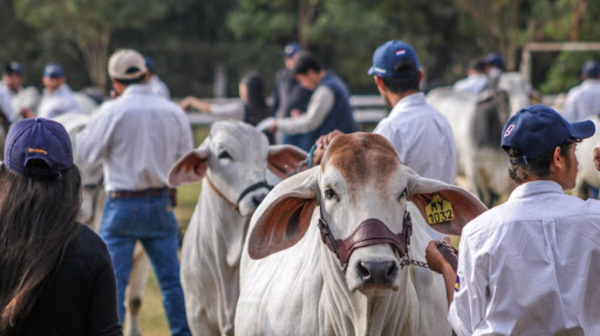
[[329, 194], [224, 155], [403, 194]]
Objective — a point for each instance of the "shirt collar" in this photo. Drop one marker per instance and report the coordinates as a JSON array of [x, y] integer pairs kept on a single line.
[[417, 98], [136, 89], [529, 189]]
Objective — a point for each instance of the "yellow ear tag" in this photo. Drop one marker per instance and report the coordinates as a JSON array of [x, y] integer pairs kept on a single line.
[[438, 210]]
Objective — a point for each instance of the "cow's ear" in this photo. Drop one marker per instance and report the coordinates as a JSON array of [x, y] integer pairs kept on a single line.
[[190, 168], [446, 208], [283, 159], [283, 217]]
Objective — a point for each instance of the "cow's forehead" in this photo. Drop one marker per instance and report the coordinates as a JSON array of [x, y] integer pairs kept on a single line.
[[238, 136], [360, 157]]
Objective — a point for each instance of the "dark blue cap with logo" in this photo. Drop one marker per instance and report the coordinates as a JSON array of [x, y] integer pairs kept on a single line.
[[291, 49], [13, 68], [537, 130], [591, 69], [41, 139], [388, 55], [54, 70]]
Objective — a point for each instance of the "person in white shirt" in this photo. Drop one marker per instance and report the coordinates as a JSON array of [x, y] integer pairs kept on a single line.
[[531, 265], [494, 67], [476, 79], [12, 79], [583, 101], [137, 137], [156, 85], [57, 98]]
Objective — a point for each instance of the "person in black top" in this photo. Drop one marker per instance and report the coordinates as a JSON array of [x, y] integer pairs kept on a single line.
[[56, 275]]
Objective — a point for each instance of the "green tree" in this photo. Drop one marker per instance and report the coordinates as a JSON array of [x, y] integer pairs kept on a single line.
[[88, 24]]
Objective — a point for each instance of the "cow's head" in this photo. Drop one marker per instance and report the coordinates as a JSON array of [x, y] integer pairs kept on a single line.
[[360, 183], [234, 158]]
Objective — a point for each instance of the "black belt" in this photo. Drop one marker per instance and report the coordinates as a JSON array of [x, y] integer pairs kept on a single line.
[[141, 193]]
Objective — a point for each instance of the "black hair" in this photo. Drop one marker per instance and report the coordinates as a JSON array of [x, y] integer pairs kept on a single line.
[[305, 62], [256, 106], [37, 224], [477, 65], [521, 171], [403, 84], [136, 80]]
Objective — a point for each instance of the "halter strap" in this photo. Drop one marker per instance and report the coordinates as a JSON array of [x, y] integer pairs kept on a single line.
[[235, 206]]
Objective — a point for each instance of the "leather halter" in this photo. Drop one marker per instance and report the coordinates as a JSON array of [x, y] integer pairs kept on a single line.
[[370, 232], [249, 189]]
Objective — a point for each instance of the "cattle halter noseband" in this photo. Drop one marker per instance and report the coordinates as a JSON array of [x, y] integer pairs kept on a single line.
[[370, 232], [249, 189]]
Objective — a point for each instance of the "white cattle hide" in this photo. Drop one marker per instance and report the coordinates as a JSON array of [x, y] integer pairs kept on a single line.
[[292, 284], [234, 157], [587, 174]]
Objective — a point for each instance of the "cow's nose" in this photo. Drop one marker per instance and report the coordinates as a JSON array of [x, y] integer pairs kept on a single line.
[[258, 198], [377, 272]]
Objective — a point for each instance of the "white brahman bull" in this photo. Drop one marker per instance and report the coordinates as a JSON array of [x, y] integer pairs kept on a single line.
[[232, 162], [90, 214], [357, 202], [588, 176], [477, 122]]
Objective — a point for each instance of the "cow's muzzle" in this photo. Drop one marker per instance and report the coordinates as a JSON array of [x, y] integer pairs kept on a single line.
[[370, 232]]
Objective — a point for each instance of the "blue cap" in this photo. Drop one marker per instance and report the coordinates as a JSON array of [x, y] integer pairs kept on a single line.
[[54, 70], [13, 68], [41, 139], [537, 130], [149, 63], [495, 59], [388, 55], [591, 69], [291, 49]]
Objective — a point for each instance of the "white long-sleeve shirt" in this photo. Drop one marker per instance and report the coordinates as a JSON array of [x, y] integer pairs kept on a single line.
[[137, 137], [582, 101], [6, 98], [530, 266], [159, 87], [319, 106], [422, 136], [473, 83], [59, 102]]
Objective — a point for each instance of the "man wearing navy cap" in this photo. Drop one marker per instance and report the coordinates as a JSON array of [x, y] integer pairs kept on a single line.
[[156, 85], [289, 97], [583, 101], [476, 79], [531, 265], [421, 135], [137, 137], [57, 98], [12, 79], [494, 67]]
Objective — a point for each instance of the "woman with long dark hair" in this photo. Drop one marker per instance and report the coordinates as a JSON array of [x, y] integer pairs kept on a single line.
[[252, 109], [56, 275]]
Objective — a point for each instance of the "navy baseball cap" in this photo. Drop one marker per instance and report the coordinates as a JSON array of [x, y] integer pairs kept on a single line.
[[495, 59], [41, 139], [591, 69], [537, 130], [391, 53], [291, 49], [149, 63], [13, 68], [54, 70]]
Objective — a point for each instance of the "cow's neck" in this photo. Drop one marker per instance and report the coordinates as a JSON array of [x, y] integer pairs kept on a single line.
[[352, 313]]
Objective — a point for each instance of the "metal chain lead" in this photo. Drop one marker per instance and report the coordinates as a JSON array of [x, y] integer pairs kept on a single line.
[[406, 262]]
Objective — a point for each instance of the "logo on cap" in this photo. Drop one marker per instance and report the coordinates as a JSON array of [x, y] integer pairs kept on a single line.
[[37, 150], [400, 52], [509, 130]]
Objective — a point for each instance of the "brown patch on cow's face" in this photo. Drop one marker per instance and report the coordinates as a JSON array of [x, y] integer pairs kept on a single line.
[[361, 157]]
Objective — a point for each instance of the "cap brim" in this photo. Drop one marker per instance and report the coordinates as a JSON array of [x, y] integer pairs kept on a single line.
[[371, 71], [582, 129]]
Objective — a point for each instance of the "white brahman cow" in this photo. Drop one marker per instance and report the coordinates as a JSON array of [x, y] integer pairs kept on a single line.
[[588, 176], [90, 214], [232, 161], [477, 122], [329, 249]]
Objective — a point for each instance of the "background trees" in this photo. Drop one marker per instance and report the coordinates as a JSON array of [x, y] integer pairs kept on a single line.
[[204, 47]]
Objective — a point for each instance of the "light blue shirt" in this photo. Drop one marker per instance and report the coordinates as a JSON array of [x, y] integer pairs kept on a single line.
[[582, 101], [138, 137], [61, 101]]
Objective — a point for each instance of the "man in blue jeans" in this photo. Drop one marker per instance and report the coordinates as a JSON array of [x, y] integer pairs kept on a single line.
[[137, 137]]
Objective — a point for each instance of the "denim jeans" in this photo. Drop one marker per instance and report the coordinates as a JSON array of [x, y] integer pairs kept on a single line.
[[150, 220]]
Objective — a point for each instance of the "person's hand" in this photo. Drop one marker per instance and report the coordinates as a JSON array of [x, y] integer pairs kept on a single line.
[[294, 113], [597, 158], [190, 102], [267, 125], [322, 143], [26, 113], [435, 259]]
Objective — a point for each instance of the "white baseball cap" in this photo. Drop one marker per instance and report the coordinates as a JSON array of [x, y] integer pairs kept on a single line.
[[126, 64]]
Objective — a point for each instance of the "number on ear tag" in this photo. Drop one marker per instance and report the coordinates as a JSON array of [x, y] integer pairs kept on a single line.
[[438, 210]]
